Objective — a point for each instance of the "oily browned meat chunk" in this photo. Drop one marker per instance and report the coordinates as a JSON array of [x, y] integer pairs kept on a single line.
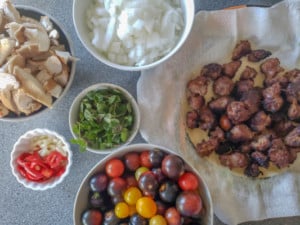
[[293, 75], [205, 148], [272, 91], [273, 104], [212, 70], [272, 99], [294, 110], [258, 55], [217, 134], [282, 80], [240, 133], [238, 112], [198, 85], [223, 86], [207, 118], [260, 121], [271, 67], [229, 69], [196, 101], [261, 142], [282, 127], [260, 158], [293, 154], [252, 99], [292, 139], [252, 170], [192, 119], [241, 49], [248, 73], [234, 160], [244, 86], [279, 154], [219, 104], [293, 91]]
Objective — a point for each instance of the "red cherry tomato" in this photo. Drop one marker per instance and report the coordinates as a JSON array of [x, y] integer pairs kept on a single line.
[[188, 181], [114, 168], [145, 159]]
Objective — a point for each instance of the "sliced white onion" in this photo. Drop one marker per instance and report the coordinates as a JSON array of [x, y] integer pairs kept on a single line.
[[135, 32]]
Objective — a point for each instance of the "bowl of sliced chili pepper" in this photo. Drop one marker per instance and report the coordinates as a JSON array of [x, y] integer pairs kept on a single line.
[[41, 159], [103, 117]]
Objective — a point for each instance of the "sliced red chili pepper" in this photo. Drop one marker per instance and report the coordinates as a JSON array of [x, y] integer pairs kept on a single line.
[[60, 172], [47, 173], [34, 174], [21, 171], [20, 159], [55, 159], [34, 157]]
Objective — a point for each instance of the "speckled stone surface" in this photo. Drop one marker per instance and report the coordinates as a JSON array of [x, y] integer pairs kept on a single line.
[[19, 205]]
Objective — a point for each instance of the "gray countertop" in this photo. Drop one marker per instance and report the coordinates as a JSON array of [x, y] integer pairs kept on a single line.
[[19, 205]]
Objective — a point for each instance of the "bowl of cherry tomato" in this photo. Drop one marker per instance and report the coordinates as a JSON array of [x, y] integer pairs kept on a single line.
[[41, 159], [143, 184]]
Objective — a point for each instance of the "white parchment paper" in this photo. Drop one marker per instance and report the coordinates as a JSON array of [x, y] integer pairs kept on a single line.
[[160, 92]]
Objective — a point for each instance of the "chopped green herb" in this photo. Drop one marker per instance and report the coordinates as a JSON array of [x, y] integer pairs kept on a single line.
[[105, 120]]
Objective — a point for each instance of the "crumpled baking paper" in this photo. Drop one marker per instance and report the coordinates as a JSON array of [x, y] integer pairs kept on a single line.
[[161, 90]]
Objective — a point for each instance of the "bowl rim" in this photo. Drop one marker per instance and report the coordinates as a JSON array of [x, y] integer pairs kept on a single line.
[[137, 115], [72, 65], [39, 186], [190, 8], [139, 147]]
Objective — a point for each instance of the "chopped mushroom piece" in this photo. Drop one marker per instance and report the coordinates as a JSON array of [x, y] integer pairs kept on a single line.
[[10, 12], [6, 48], [3, 110], [33, 87], [24, 103], [36, 35]]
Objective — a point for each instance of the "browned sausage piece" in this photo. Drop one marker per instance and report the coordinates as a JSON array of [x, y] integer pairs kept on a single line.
[[238, 112], [293, 138], [234, 160], [240, 133], [223, 86], [258, 55], [212, 70], [241, 49], [271, 67], [229, 69], [198, 85], [260, 121], [248, 73]]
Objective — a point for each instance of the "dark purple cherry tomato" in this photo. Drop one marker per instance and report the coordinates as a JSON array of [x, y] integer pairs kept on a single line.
[[132, 161], [172, 166], [98, 182], [91, 217], [189, 203]]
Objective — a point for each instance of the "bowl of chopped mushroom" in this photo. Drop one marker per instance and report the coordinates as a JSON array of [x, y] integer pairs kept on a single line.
[[36, 62]]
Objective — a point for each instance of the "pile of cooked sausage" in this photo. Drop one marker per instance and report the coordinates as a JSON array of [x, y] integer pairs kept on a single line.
[[248, 126]]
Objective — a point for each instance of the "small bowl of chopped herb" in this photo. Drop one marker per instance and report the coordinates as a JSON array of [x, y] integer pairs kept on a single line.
[[103, 117]]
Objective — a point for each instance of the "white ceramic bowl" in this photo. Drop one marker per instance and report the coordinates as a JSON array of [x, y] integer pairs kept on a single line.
[[64, 39], [74, 111], [79, 18], [23, 144], [81, 200]]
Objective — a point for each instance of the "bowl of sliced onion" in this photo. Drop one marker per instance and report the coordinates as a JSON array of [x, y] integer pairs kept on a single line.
[[133, 35]]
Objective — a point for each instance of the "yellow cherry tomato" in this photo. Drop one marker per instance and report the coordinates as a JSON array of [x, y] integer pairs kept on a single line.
[[158, 220], [131, 195], [140, 171], [122, 210], [146, 207]]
